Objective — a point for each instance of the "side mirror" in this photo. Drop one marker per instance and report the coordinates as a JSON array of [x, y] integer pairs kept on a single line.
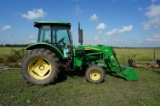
[[80, 34]]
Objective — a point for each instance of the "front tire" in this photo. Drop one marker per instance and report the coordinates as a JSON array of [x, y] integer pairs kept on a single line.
[[95, 74], [40, 67]]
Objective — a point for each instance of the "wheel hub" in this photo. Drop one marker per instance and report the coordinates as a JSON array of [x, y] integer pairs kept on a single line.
[[95, 75], [41, 67]]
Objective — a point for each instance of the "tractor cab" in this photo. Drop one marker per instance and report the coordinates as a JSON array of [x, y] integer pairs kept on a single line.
[[56, 34]]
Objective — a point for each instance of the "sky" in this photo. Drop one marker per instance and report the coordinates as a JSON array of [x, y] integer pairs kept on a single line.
[[121, 23]]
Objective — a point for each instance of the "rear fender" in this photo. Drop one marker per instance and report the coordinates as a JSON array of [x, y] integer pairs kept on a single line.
[[46, 46]]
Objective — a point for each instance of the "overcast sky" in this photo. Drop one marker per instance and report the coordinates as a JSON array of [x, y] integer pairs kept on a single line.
[[124, 23]]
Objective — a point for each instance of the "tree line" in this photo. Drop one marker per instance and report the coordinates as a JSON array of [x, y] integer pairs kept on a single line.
[[13, 45]]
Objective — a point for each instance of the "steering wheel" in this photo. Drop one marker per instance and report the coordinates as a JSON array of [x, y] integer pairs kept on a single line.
[[61, 40]]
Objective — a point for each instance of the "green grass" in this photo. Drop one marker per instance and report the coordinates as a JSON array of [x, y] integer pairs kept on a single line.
[[11, 56], [137, 54], [123, 54], [7, 51], [74, 90]]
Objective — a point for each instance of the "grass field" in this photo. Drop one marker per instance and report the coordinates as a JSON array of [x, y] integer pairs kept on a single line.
[[123, 54], [11, 56], [137, 54], [72, 89], [7, 51]]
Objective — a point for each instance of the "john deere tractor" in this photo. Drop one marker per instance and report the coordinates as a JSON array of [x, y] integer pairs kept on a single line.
[[54, 50]]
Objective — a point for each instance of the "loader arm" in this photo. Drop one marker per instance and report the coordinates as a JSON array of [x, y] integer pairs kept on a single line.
[[121, 70], [103, 56]]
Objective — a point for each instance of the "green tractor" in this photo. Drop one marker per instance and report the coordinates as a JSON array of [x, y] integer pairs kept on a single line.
[[55, 51]]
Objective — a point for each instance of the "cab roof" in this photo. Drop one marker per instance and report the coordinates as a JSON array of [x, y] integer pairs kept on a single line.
[[39, 23]]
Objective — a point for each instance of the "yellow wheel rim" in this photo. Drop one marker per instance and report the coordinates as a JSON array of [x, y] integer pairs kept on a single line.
[[95, 75], [39, 68]]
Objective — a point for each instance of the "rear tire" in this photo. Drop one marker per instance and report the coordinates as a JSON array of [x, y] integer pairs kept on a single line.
[[95, 74], [40, 67]]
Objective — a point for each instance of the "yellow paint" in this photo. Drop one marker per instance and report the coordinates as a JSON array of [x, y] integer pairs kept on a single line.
[[89, 48], [39, 68], [95, 75]]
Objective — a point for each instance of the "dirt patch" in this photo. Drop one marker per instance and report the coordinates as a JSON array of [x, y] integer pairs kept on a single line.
[[156, 71], [11, 59], [1, 60]]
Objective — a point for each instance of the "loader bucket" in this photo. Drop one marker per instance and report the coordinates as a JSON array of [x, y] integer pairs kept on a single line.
[[128, 73]]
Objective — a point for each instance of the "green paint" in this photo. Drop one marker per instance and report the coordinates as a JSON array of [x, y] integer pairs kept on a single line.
[[46, 46], [101, 55]]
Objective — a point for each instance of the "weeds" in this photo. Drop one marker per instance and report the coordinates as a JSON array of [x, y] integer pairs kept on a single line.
[[76, 91], [13, 58], [18, 54], [137, 54], [71, 89], [10, 55], [1, 60]]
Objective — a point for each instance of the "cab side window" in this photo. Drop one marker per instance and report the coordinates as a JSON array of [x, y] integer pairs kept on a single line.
[[45, 34]]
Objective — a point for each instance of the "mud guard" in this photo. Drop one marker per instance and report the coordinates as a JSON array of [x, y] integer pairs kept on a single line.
[[128, 73]]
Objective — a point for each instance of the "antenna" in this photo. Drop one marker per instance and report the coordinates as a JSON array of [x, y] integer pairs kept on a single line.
[[59, 20]]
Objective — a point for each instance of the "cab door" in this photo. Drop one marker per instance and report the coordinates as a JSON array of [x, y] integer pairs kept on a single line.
[[61, 39]]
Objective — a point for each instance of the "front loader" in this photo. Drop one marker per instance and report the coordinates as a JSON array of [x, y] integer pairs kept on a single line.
[[54, 51]]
